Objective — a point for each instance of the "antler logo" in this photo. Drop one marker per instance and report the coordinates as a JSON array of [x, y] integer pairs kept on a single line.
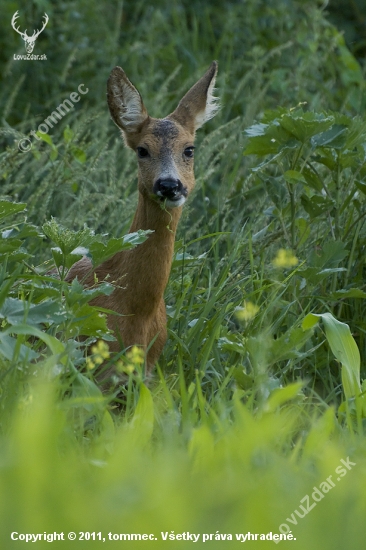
[[29, 40]]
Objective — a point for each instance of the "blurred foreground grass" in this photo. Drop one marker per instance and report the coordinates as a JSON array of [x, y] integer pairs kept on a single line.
[[154, 476]]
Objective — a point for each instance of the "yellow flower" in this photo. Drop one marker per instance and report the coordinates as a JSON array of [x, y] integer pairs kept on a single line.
[[248, 312], [100, 352], [102, 349], [89, 363], [285, 259], [136, 355]]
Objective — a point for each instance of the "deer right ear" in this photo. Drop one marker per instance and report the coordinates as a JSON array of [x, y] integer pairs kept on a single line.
[[125, 102], [199, 104]]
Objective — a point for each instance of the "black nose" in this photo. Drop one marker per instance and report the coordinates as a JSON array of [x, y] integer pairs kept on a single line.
[[168, 188]]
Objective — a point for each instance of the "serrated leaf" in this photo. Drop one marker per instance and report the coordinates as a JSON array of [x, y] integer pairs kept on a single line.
[[305, 125], [66, 239], [77, 294], [8, 208], [101, 252], [87, 321], [17, 312], [335, 137]]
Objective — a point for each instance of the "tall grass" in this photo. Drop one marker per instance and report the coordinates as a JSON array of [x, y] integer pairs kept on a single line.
[[258, 395]]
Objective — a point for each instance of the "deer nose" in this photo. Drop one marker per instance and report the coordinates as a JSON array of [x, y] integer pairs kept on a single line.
[[168, 188]]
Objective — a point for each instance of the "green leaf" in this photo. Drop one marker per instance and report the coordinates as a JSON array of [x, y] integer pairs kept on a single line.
[[292, 176], [335, 137], [231, 344], [68, 260], [79, 155], [316, 205], [66, 239], [17, 312], [101, 252], [87, 321], [350, 293], [68, 134], [328, 257], [281, 395], [77, 294], [46, 138], [344, 348], [138, 237], [303, 126], [361, 186], [142, 423], [55, 346], [9, 345], [8, 208]]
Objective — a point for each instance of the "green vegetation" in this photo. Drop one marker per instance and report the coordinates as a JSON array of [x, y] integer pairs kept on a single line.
[[259, 394]]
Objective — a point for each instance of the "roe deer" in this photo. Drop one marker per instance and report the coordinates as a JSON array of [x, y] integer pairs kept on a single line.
[[164, 149]]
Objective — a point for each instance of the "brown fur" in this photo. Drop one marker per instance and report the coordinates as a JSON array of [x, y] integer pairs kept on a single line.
[[141, 274]]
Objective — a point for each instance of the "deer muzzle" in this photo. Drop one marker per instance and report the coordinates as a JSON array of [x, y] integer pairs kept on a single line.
[[171, 191]]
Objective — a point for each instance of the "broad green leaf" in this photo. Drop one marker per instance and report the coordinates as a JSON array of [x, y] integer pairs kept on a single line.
[[231, 344], [316, 205], [350, 293], [287, 346], [100, 252], [21, 231], [138, 237], [77, 294], [66, 260], [305, 125], [66, 239], [332, 253], [344, 348], [361, 186], [17, 312], [87, 321], [10, 344], [8, 208], [335, 137], [55, 346], [9, 245], [292, 176]]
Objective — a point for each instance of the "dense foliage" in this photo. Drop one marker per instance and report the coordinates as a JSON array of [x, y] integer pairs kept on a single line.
[[258, 396]]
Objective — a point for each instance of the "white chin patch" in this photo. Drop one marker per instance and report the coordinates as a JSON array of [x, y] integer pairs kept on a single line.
[[175, 204]]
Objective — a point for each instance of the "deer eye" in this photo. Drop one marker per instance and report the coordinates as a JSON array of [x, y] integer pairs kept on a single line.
[[142, 152], [188, 152]]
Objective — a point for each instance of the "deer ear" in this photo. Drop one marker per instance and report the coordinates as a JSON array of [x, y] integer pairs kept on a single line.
[[125, 102], [199, 103]]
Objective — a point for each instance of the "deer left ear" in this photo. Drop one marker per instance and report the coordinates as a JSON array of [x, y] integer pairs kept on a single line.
[[199, 103]]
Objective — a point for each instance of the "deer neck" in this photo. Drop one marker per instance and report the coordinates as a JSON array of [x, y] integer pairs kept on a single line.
[[151, 214], [144, 271]]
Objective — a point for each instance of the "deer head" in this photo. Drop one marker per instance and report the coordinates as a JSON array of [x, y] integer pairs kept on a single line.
[[29, 40], [164, 147]]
